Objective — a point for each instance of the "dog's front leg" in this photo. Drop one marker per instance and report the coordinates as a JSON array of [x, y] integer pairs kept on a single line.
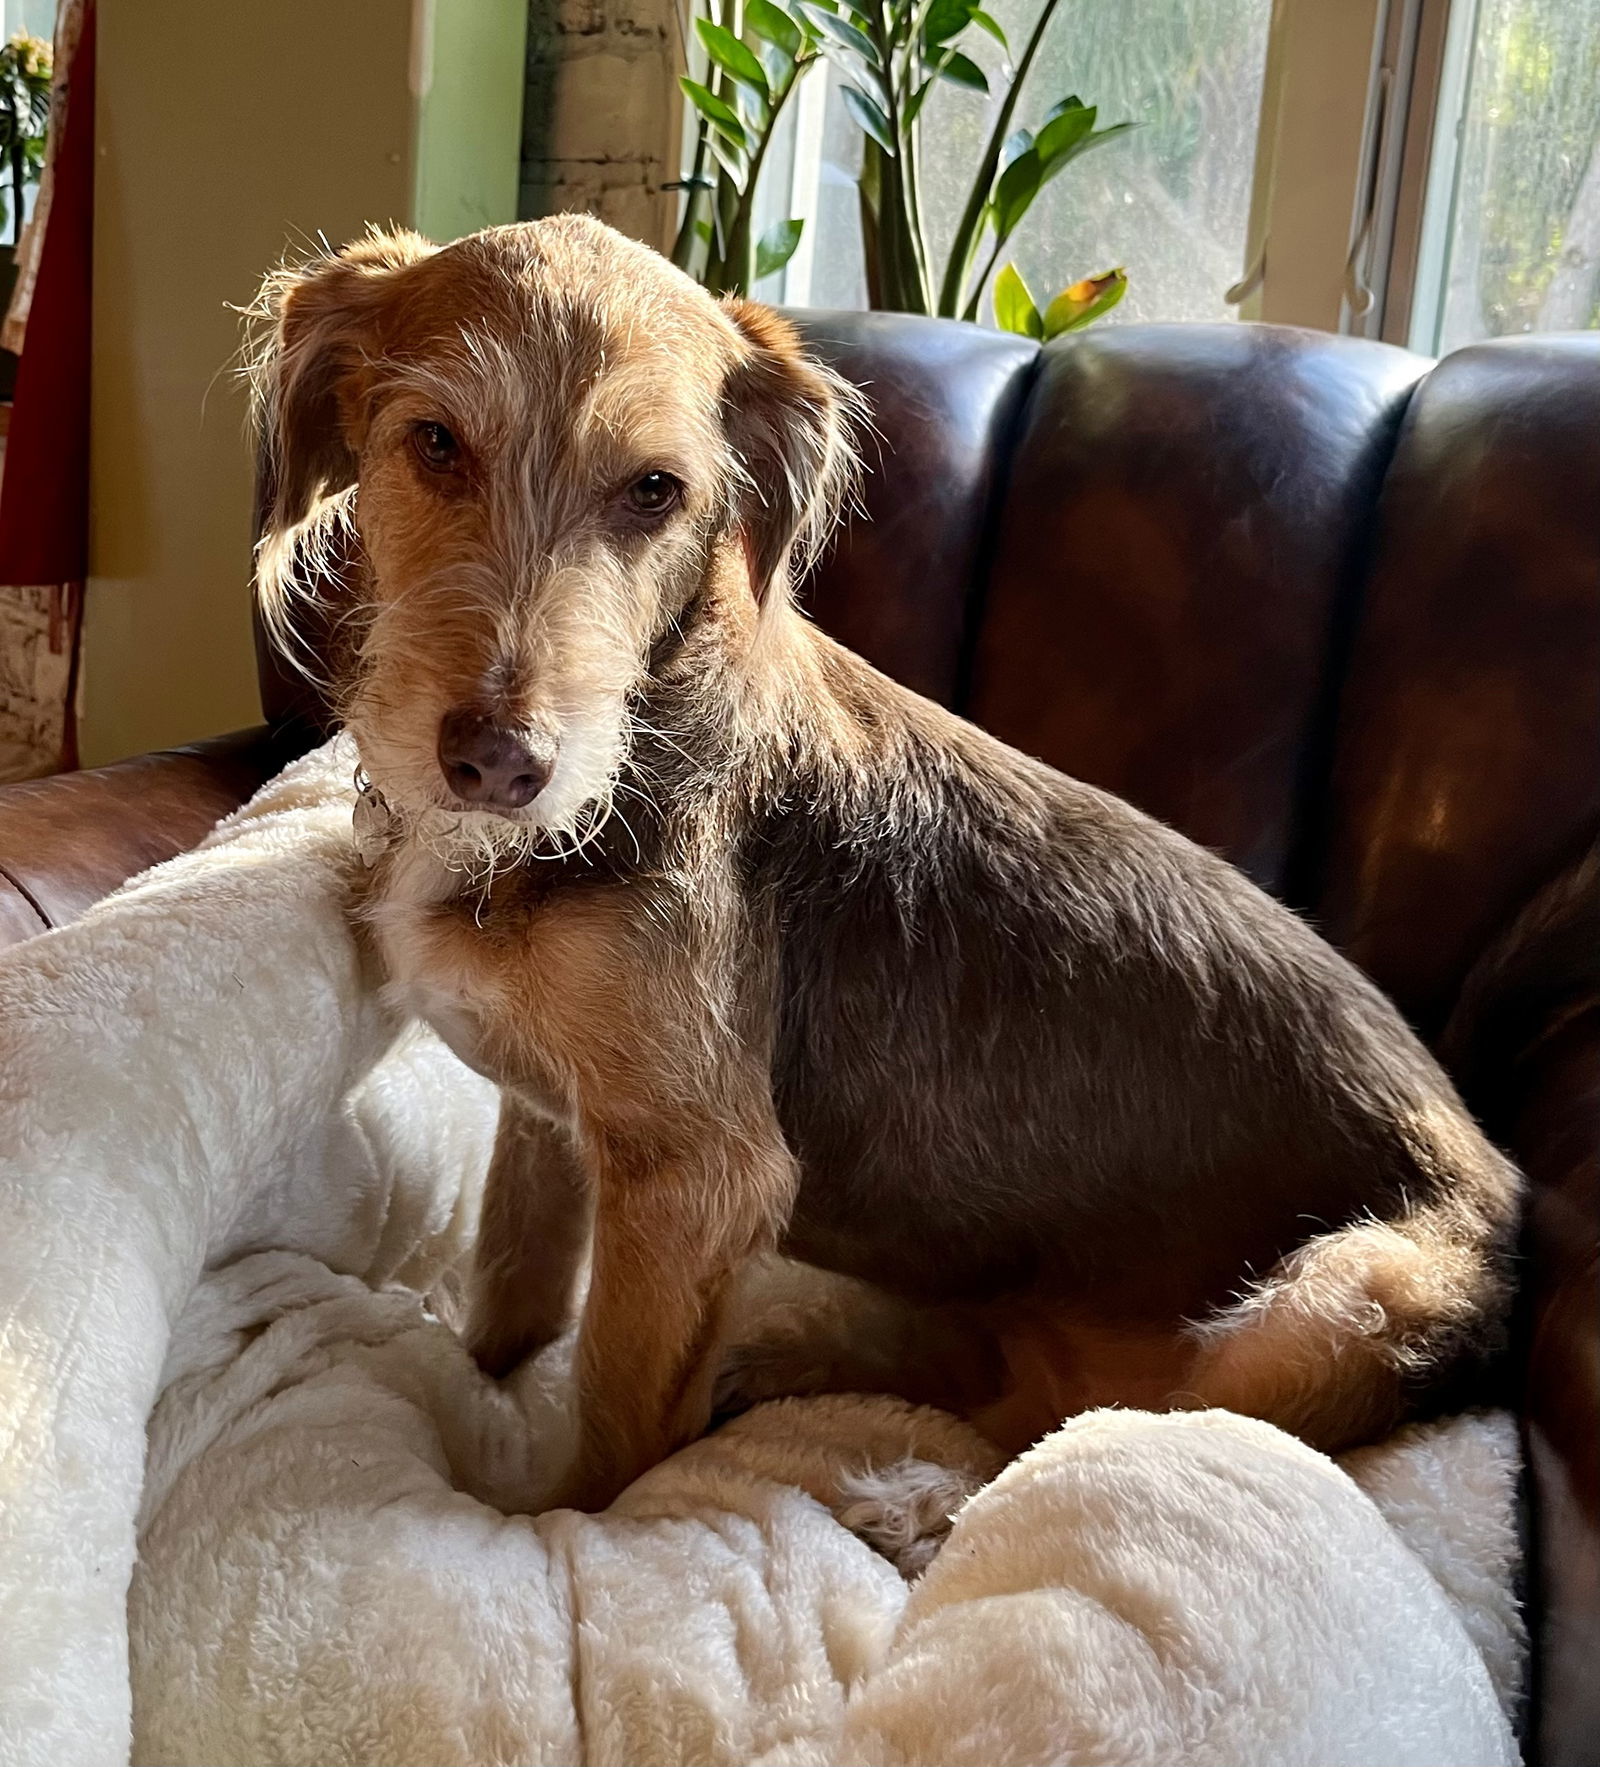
[[670, 1235], [532, 1234]]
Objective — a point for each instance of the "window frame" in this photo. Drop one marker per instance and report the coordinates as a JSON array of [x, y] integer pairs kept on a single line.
[[1317, 153]]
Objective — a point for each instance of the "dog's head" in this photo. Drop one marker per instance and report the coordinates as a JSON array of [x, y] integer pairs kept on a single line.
[[556, 451]]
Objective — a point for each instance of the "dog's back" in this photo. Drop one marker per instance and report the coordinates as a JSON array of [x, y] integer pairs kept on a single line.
[[1032, 1043]]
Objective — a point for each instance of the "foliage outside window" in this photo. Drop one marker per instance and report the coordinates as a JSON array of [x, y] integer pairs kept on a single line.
[[891, 57], [1524, 222]]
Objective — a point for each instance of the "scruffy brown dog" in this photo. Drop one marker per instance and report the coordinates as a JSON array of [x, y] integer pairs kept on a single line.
[[766, 951]]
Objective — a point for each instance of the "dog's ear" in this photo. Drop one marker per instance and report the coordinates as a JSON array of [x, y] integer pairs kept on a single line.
[[792, 425], [314, 330]]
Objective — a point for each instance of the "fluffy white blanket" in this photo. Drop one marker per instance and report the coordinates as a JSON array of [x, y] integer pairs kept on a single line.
[[227, 1176]]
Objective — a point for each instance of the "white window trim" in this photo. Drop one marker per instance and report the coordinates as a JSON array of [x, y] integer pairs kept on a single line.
[[1314, 158], [1425, 317]]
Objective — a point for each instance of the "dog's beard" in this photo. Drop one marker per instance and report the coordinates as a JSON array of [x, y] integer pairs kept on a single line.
[[585, 661], [564, 821]]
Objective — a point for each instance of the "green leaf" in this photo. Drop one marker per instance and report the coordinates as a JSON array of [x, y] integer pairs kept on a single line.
[[1014, 307], [962, 70], [992, 25], [732, 159], [1015, 188], [946, 19], [717, 111], [728, 52], [839, 31], [781, 69], [868, 117], [917, 99], [1083, 302], [777, 245], [1097, 139], [1063, 131], [773, 25], [1072, 102]]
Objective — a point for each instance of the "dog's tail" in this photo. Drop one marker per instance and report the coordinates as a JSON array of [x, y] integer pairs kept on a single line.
[[1378, 1321], [1365, 1326]]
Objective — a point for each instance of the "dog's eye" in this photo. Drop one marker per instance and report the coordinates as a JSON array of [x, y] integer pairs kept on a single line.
[[436, 448], [655, 493]]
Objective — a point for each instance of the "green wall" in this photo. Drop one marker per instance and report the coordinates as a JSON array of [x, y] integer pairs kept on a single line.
[[470, 117]]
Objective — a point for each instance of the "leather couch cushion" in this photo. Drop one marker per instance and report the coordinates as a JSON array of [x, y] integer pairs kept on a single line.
[[900, 586], [1468, 769], [66, 842], [1182, 533]]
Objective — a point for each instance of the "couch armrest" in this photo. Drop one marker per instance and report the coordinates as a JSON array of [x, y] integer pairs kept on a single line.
[[1555, 1135], [69, 840], [1525, 1043]]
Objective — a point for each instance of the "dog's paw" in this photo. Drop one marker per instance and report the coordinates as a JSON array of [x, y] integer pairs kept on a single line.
[[904, 1510]]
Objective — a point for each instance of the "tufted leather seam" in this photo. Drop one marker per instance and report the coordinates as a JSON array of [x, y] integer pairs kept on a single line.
[[1008, 437], [1311, 836], [28, 896]]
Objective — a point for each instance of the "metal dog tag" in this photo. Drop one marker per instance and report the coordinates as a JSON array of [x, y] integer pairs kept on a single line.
[[372, 821]]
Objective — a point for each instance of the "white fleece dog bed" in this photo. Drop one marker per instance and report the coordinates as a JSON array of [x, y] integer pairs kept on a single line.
[[226, 1178]]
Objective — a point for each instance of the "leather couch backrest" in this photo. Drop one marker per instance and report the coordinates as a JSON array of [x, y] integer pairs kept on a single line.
[[1468, 763]]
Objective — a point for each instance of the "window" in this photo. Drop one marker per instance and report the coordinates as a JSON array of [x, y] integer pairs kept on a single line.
[[1426, 171], [1171, 201], [37, 18], [1512, 239]]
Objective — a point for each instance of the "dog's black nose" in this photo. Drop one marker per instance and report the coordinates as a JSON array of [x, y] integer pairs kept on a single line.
[[491, 764]]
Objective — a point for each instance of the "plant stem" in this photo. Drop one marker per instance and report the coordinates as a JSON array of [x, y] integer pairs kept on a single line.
[[963, 246], [727, 192], [970, 312], [869, 202], [683, 246], [903, 277], [741, 249], [919, 17], [913, 186]]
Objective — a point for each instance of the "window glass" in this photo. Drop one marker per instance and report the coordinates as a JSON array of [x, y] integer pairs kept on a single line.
[[1170, 201], [1521, 250], [36, 17], [828, 272]]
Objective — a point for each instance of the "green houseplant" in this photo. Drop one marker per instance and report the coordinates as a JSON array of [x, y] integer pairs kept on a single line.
[[890, 55], [750, 78]]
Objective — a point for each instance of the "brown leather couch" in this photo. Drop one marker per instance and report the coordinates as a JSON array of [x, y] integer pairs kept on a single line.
[[1328, 608]]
